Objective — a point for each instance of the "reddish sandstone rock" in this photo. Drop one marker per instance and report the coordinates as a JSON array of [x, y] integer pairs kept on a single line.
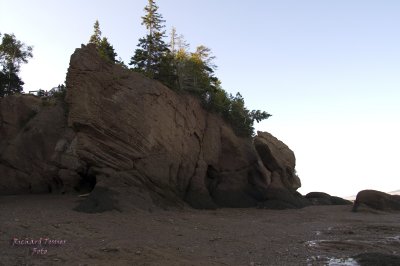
[[137, 143], [377, 200]]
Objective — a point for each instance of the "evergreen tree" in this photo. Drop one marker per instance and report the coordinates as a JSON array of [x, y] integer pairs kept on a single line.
[[195, 71], [106, 50], [178, 42], [10, 83], [12, 54], [96, 36], [258, 115], [174, 38], [153, 52], [180, 58]]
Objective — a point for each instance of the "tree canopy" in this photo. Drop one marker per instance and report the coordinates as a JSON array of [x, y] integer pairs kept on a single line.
[[172, 64], [12, 54], [96, 36], [153, 53], [190, 72], [106, 50]]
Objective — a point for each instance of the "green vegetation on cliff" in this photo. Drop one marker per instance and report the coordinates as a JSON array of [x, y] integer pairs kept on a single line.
[[12, 54], [105, 49], [153, 56], [191, 72], [170, 63]]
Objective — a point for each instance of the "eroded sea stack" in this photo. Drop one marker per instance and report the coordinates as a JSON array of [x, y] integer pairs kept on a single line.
[[137, 144]]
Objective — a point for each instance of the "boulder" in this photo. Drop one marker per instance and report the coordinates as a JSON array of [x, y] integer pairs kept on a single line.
[[280, 161], [321, 198], [277, 157], [377, 200]]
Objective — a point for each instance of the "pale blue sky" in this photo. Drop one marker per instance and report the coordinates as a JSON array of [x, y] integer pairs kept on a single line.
[[328, 71]]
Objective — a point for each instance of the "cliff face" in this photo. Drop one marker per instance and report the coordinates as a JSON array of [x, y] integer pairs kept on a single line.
[[137, 143], [29, 133]]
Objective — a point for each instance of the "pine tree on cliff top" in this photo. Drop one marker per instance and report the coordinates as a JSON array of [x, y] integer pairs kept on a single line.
[[106, 50], [96, 36], [152, 51]]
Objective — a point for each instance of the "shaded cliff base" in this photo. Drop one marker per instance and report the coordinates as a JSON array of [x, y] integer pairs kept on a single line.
[[315, 235]]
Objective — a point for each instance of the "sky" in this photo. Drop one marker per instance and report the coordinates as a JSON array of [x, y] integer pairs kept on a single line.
[[328, 71]]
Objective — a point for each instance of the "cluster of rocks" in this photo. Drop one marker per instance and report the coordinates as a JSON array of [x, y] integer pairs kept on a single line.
[[321, 198]]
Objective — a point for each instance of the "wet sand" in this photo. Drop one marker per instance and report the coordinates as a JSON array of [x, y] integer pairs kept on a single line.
[[316, 235]]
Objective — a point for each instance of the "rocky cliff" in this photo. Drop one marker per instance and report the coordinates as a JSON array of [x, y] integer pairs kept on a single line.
[[133, 142]]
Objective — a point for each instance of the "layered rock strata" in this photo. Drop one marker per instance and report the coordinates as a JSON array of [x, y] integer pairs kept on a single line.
[[138, 144]]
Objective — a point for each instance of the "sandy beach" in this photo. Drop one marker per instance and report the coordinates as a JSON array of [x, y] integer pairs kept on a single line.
[[315, 235]]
